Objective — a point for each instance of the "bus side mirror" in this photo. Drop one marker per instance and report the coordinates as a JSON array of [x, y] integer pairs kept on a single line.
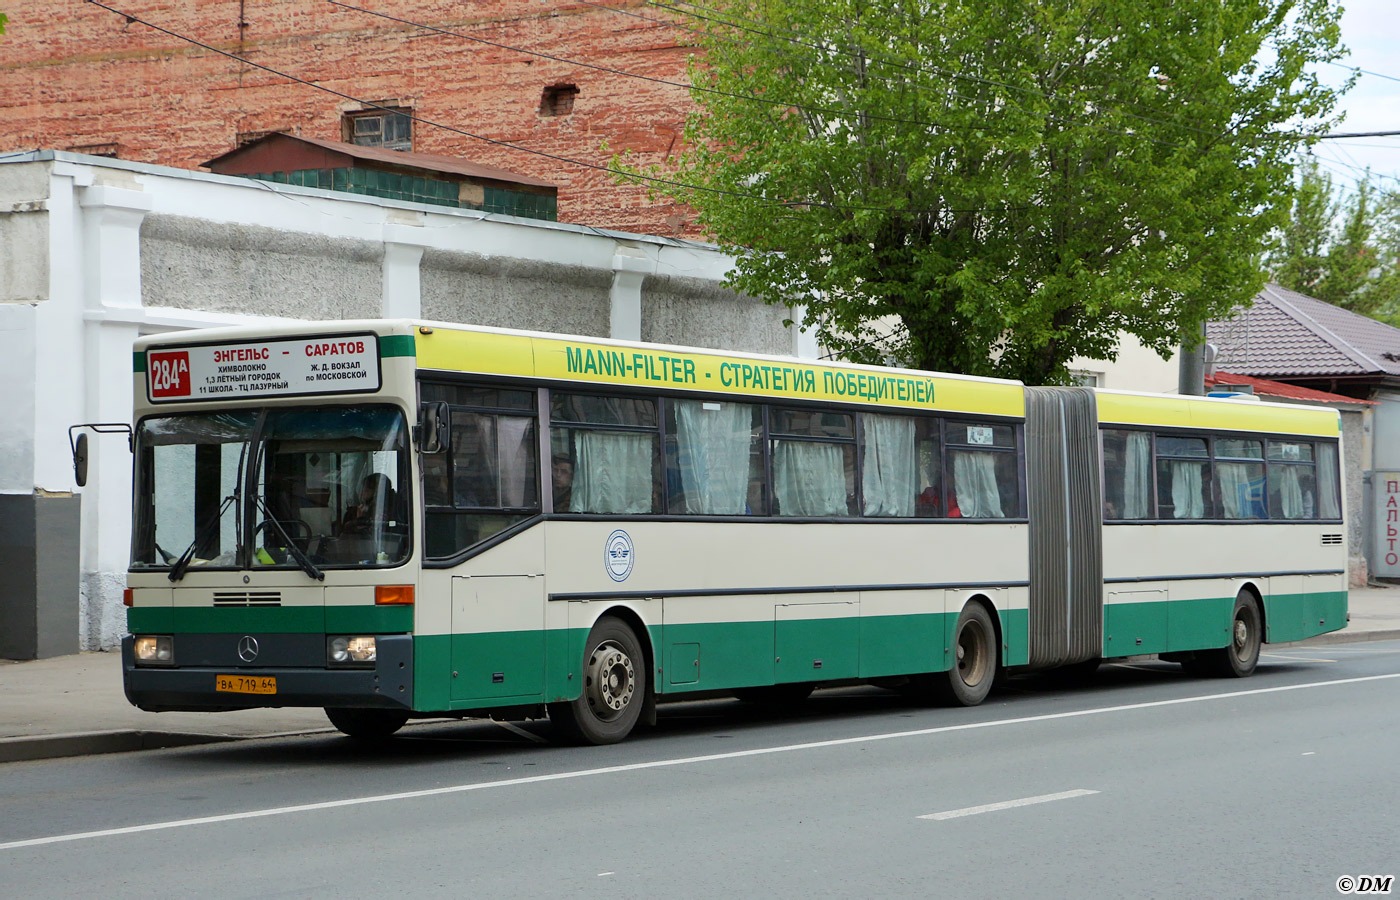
[[431, 431], [79, 444], [80, 459]]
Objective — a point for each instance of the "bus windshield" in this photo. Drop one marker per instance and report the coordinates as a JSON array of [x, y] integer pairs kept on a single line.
[[296, 487]]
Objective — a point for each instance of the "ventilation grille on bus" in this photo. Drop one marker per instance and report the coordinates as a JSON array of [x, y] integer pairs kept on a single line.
[[1331, 539], [247, 598]]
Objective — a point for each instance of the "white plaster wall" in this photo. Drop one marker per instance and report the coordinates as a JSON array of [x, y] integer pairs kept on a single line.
[[110, 250], [1136, 368]]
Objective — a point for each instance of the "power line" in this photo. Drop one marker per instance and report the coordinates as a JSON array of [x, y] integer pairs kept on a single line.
[[1358, 134], [785, 104], [131, 19], [799, 40], [1363, 71]]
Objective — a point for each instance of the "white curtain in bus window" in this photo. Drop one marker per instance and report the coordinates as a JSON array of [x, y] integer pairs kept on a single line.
[[613, 472], [1127, 475], [1181, 483], [809, 478], [1329, 504], [1292, 480], [1241, 483], [975, 484], [713, 449], [889, 476]]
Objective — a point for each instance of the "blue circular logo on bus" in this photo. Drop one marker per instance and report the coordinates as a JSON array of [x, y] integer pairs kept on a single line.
[[618, 555]]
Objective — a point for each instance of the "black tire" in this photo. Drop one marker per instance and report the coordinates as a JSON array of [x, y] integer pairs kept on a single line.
[[367, 724], [776, 695], [614, 687], [1239, 658], [974, 667]]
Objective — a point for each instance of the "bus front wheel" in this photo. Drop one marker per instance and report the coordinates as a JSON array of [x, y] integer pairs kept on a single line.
[[366, 724], [614, 687], [974, 668]]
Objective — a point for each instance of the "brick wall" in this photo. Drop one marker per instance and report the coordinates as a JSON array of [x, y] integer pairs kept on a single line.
[[75, 76]]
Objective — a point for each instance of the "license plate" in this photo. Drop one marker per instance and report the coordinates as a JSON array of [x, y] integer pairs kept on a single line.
[[245, 684]]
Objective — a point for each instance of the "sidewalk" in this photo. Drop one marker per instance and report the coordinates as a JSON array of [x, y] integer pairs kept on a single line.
[[74, 705]]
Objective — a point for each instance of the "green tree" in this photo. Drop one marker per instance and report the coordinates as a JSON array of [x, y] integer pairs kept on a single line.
[[995, 186], [1343, 251]]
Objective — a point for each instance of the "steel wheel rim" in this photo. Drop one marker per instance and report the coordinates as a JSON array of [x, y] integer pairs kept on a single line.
[[972, 654], [1243, 635], [610, 680]]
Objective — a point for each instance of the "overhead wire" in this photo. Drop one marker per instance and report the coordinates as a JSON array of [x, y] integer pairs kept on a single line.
[[791, 204], [799, 39], [785, 104]]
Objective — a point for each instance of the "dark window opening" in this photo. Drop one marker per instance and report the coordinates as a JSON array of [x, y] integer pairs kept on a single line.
[[558, 100]]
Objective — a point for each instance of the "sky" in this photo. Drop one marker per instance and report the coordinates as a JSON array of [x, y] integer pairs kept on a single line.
[[1371, 32]]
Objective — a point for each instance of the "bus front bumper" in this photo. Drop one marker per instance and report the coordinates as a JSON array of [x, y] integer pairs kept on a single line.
[[389, 685]]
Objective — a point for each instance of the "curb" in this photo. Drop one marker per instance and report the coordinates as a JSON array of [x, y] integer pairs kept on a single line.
[[1342, 637], [86, 743]]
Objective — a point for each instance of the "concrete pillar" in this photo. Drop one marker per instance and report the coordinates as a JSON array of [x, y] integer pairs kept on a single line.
[[403, 290], [804, 343], [630, 269], [112, 220]]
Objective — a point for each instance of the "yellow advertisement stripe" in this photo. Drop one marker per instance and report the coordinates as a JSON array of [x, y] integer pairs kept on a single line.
[[649, 367], [1220, 415]]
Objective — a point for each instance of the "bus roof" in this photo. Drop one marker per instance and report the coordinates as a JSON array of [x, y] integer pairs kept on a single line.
[[1215, 413]]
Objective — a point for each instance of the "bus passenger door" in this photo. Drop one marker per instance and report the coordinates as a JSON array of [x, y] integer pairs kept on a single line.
[[497, 639]]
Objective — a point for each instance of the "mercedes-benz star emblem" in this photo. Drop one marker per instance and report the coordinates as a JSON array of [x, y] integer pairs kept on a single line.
[[248, 648]]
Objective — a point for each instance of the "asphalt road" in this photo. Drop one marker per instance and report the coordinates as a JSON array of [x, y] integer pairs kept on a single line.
[[1140, 783]]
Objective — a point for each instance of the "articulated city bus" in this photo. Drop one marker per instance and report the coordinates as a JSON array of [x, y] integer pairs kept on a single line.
[[395, 519]]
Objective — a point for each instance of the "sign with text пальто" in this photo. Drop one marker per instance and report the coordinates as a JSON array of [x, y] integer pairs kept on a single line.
[[241, 370], [1387, 557]]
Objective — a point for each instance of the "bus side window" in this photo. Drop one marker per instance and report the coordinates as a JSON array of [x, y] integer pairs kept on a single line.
[[1183, 477], [1127, 475], [487, 479], [983, 461], [611, 448]]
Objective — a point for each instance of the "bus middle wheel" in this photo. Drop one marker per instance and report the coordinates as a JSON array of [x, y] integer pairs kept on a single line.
[[614, 687], [974, 667]]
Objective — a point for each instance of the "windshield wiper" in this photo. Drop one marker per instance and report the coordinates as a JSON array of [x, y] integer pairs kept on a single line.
[[302, 559], [201, 535]]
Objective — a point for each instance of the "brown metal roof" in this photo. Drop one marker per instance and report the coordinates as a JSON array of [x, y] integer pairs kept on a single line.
[[444, 164], [1286, 334]]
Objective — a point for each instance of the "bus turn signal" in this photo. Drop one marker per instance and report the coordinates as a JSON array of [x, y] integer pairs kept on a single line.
[[393, 594]]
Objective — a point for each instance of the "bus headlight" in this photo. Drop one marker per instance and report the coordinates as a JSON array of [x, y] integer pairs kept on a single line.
[[346, 650], [154, 650]]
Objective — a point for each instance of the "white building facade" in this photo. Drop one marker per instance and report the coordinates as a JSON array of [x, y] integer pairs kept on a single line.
[[94, 252]]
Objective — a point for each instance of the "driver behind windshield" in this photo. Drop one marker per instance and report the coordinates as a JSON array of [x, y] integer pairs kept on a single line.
[[375, 500]]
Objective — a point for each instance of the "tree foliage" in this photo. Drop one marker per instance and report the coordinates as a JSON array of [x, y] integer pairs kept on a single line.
[[1342, 250], [995, 186]]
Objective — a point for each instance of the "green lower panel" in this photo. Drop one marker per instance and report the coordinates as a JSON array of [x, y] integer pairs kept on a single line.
[[489, 668], [731, 654], [1293, 617], [1015, 637], [283, 620], [898, 645], [816, 649]]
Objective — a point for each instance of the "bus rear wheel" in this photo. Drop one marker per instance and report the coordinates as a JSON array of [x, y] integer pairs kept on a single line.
[[614, 687], [1239, 658], [367, 724], [974, 668]]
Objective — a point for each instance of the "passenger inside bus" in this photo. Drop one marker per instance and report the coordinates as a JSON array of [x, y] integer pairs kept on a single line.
[[563, 477]]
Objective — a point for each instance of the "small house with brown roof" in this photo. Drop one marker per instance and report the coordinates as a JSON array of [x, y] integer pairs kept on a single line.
[[391, 174]]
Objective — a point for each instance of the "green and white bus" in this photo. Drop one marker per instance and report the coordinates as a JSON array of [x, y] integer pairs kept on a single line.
[[395, 519]]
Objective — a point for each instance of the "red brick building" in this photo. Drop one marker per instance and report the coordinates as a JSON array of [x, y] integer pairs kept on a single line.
[[76, 76]]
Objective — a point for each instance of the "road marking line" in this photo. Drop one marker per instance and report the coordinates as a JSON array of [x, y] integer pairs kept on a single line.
[[1298, 658], [517, 730], [1007, 804], [667, 763]]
